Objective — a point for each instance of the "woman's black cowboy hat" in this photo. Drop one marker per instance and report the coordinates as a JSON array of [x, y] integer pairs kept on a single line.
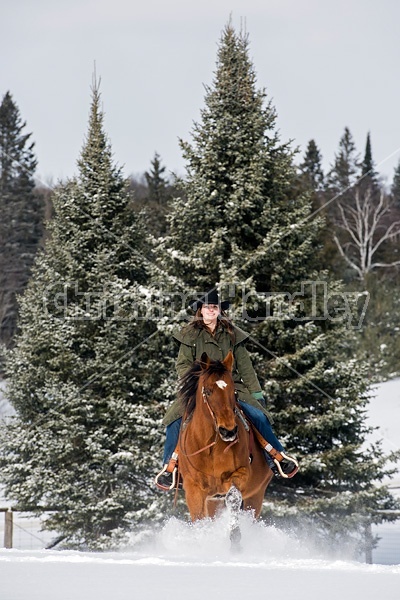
[[210, 297]]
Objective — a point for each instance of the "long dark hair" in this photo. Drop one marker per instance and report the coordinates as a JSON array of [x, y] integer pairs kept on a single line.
[[197, 322]]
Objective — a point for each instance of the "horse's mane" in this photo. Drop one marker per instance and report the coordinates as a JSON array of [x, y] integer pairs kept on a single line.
[[189, 382]]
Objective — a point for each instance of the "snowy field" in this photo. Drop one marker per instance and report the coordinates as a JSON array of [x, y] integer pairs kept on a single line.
[[195, 562], [183, 561]]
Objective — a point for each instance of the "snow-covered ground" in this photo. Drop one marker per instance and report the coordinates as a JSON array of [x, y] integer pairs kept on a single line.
[[195, 561]]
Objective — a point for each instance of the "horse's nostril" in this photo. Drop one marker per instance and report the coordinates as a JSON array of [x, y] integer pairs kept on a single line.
[[228, 434]]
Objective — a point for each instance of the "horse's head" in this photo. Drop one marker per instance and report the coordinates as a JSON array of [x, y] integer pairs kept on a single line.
[[218, 394]]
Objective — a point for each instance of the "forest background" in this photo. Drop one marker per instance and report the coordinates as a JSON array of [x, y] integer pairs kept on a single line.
[[89, 374]]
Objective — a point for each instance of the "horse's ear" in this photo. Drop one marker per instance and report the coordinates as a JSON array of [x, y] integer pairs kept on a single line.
[[205, 361], [228, 361]]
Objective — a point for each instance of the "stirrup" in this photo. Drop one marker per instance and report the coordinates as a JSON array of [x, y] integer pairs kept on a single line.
[[164, 486], [280, 460], [285, 458]]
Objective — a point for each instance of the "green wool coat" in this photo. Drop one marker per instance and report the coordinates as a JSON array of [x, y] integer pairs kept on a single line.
[[192, 344]]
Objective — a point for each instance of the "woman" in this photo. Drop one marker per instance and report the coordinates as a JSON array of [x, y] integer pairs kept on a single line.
[[212, 332]]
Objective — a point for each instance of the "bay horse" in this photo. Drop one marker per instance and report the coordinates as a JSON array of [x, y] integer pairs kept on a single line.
[[217, 460]]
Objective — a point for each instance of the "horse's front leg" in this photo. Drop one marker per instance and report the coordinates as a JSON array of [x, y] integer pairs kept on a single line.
[[233, 501], [196, 500]]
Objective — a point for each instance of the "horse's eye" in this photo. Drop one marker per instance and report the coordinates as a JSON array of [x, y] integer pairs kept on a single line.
[[207, 392]]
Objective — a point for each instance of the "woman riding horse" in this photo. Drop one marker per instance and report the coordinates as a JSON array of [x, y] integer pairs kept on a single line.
[[210, 331]]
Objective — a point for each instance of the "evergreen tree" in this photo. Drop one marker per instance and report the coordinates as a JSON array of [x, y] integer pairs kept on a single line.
[[377, 339], [369, 175], [157, 198], [311, 180], [345, 170], [395, 189], [339, 191], [230, 185], [83, 439], [242, 228], [21, 213], [367, 165], [311, 167], [156, 182]]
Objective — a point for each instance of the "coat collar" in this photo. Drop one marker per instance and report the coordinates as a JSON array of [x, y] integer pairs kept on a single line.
[[189, 336]]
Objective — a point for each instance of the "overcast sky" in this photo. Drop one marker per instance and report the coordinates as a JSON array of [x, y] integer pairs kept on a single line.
[[326, 64]]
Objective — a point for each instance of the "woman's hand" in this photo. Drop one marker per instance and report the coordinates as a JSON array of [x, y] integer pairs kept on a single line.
[[259, 396]]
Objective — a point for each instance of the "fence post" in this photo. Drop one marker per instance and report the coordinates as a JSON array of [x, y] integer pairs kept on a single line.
[[8, 529]]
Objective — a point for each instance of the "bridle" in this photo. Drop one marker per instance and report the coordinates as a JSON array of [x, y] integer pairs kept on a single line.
[[205, 392]]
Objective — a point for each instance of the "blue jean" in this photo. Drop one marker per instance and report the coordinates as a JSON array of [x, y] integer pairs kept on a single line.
[[256, 416], [261, 422], [171, 439]]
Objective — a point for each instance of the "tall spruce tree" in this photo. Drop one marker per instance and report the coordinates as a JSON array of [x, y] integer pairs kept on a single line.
[[156, 182], [395, 188], [340, 184], [369, 175], [367, 165], [242, 228], [82, 441], [346, 166], [21, 213], [157, 198], [311, 167]]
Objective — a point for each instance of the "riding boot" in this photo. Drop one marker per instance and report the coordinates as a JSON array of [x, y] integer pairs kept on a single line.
[[281, 464], [166, 479], [285, 466]]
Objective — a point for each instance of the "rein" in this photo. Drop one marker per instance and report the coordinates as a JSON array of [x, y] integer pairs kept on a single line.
[[204, 395]]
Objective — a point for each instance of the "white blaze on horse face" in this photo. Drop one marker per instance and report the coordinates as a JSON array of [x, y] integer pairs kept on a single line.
[[221, 383]]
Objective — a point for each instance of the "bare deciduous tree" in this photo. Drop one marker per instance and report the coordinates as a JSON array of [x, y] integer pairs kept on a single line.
[[368, 225]]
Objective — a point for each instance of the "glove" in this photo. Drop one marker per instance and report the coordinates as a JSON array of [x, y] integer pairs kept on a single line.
[[259, 396]]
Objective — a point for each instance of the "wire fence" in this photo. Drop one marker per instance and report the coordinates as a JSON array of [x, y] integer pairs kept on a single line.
[[26, 532]]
